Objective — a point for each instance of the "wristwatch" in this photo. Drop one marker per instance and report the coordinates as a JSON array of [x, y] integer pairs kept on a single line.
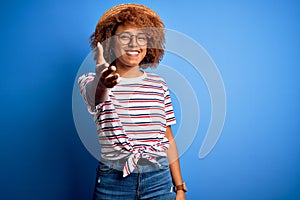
[[181, 187]]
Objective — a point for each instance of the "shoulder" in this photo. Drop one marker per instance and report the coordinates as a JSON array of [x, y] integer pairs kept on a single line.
[[155, 77], [157, 81]]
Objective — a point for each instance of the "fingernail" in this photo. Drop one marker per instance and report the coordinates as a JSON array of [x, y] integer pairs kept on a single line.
[[98, 44], [113, 68]]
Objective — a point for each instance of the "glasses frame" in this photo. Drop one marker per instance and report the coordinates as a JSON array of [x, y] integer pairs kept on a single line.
[[131, 36]]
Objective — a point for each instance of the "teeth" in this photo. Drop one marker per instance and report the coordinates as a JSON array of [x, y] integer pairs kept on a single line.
[[132, 52]]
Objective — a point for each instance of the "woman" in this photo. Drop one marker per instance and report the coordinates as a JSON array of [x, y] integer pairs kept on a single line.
[[132, 108]]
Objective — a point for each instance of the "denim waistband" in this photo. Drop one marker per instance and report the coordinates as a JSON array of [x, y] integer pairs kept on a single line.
[[143, 164]]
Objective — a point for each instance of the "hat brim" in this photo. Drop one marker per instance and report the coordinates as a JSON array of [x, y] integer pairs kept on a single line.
[[119, 8]]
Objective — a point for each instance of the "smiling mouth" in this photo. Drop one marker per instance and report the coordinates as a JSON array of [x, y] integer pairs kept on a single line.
[[132, 52]]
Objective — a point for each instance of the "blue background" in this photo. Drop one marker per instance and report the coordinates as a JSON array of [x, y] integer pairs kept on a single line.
[[255, 45]]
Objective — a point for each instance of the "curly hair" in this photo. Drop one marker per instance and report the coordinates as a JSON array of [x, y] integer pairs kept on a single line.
[[131, 14]]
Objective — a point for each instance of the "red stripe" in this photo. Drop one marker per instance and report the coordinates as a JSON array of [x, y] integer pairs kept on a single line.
[[149, 132], [140, 108]]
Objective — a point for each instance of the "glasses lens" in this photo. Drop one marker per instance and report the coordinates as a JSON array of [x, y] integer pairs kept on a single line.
[[125, 38], [141, 39]]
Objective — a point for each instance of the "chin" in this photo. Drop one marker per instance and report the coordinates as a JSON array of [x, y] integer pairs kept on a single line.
[[129, 63]]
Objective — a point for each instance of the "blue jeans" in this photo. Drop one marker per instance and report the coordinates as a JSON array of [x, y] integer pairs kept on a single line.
[[148, 181]]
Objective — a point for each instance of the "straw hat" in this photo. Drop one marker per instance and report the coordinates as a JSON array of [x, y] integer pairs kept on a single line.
[[119, 8]]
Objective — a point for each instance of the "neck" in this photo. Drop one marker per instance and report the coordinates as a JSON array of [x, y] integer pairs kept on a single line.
[[126, 71]]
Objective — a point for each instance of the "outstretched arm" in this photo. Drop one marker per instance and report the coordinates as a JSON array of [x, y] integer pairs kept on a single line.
[[97, 89]]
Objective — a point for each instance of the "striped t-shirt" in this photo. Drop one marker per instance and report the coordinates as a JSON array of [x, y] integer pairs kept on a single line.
[[132, 122]]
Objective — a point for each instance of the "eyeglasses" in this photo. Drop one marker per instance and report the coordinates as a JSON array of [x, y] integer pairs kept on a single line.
[[140, 38]]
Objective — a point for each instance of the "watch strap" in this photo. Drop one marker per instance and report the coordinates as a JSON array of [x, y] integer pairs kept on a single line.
[[180, 187]]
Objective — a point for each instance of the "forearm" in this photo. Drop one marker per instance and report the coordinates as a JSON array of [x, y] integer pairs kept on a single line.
[[96, 93], [174, 164], [91, 93], [173, 158]]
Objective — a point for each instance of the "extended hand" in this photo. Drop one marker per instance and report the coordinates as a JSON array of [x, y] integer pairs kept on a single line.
[[108, 76]]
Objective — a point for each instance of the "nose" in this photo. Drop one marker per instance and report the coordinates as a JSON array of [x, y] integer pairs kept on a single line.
[[133, 42]]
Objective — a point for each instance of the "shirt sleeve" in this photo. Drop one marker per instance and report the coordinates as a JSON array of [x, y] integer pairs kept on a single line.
[[89, 101], [170, 116]]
